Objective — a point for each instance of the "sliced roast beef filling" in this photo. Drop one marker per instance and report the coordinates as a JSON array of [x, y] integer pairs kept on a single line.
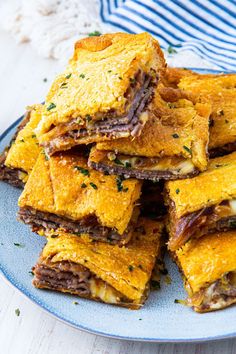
[[138, 97], [42, 220], [76, 279], [13, 176], [218, 295], [154, 169], [221, 217]]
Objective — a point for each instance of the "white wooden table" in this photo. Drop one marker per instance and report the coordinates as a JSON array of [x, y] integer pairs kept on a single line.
[[22, 75]]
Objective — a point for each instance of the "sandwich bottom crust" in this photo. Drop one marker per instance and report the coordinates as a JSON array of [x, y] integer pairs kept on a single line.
[[218, 295], [69, 277], [39, 220]]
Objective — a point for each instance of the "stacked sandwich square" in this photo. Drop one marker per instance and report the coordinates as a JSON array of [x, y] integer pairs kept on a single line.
[[119, 152]]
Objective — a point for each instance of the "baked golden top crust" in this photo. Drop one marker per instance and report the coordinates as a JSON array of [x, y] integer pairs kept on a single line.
[[220, 90], [128, 269], [207, 259], [65, 186], [211, 187], [179, 128], [98, 76], [24, 151]]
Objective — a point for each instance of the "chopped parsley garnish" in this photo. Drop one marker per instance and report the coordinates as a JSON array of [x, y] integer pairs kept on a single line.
[[64, 85], [119, 183], [18, 244], [118, 162], [221, 113], [83, 185], [232, 224], [68, 76], [187, 149], [88, 117], [94, 34], [17, 312], [93, 185], [45, 79], [131, 268], [33, 136], [128, 164], [120, 78], [109, 71], [177, 191], [140, 266], [164, 271], [171, 50], [54, 236], [30, 272], [155, 285], [175, 136], [140, 319], [46, 156], [51, 106], [226, 121], [75, 303], [84, 171], [22, 140], [82, 76], [132, 80]]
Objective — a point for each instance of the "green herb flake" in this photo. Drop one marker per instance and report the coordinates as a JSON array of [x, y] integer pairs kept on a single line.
[[64, 85], [68, 76], [33, 136], [221, 112], [19, 245], [232, 224], [31, 273], [51, 106], [45, 79], [140, 319], [22, 140], [54, 236], [82, 76], [88, 117], [82, 170], [132, 80], [155, 285], [187, 149], [118, 162], [140, 266], [17, 312], [75, 303], [45, 155], [94, 34], [109, 71], [128, 165], [226, 121], [177, 191], [93, 185], [119, 184], [120, 78], [175, 136], [83, 185], [131, 268], [171, 50]]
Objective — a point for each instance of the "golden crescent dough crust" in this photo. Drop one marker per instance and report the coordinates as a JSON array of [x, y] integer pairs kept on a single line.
[[128, 269], [56, 185]]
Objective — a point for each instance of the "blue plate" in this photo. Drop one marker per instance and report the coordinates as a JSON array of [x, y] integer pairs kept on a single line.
[[160, 320]]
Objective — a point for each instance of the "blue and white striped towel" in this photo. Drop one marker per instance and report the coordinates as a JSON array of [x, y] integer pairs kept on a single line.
[[205, 27]]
